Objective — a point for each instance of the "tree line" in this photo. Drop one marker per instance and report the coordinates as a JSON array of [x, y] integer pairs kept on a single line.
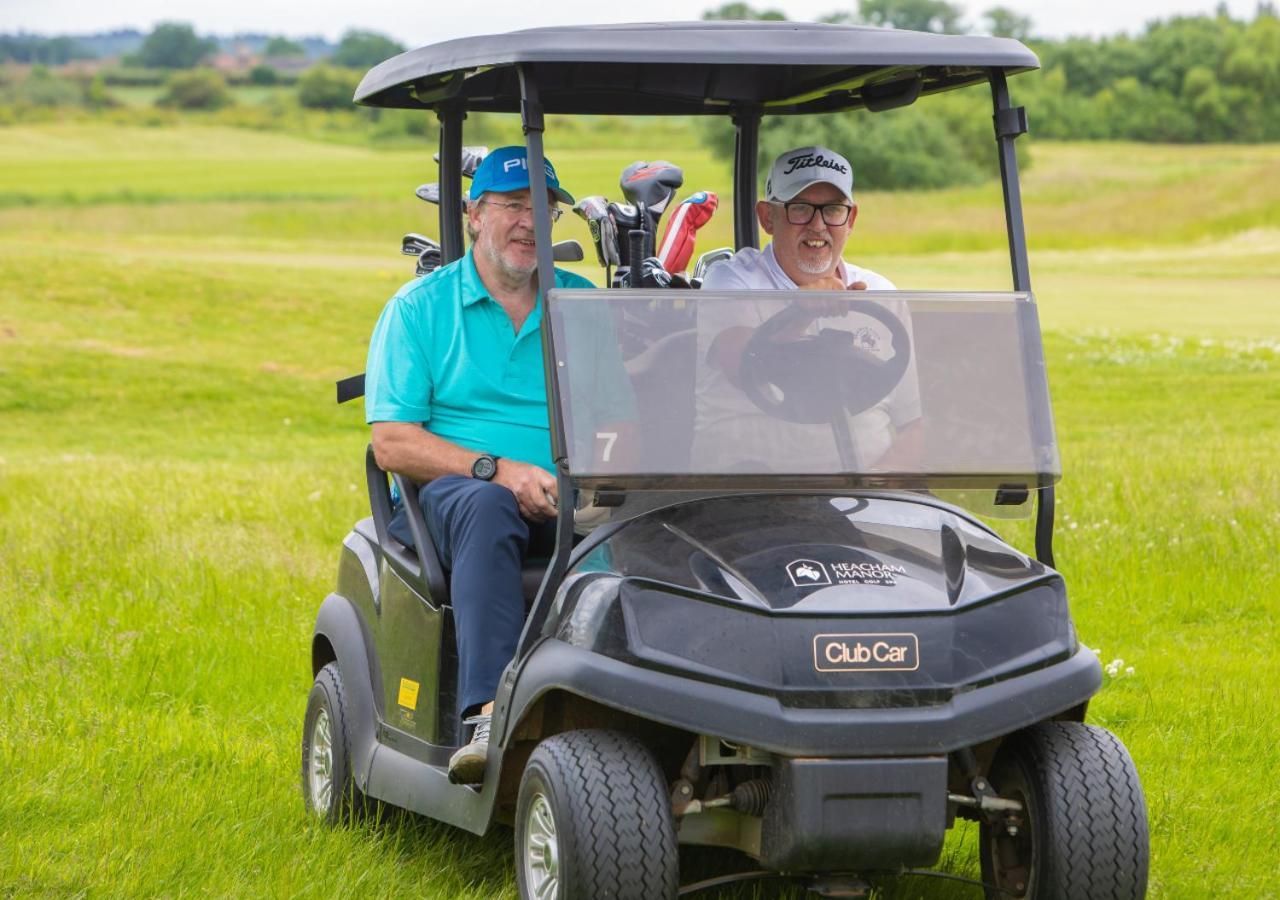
[[1186, 79], [175, 45]]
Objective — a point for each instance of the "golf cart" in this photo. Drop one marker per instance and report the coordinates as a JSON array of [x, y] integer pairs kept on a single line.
[[776, 637]]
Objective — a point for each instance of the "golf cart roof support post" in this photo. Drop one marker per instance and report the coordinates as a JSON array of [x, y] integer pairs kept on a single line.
[[1009, 122], [451, 244], [531, 120], [1005, 137], [746, 150]]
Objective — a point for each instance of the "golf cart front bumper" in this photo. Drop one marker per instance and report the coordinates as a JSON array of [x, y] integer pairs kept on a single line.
[[762, 721], [855, 814]]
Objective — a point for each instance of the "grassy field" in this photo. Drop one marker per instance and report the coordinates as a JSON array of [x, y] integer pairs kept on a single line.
[[175, 481]]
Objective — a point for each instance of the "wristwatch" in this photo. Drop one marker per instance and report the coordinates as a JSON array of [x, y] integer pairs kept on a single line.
[[485, 467]]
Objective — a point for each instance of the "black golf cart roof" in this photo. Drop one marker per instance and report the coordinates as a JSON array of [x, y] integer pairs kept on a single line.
[[691, 68]]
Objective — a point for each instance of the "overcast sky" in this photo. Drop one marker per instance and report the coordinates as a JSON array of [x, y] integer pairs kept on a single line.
[[415, 24]]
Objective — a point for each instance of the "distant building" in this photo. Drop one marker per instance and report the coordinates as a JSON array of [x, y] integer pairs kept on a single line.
[[238, 60]]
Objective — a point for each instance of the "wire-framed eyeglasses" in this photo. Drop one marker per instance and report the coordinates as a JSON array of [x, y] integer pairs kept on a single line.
[[834, 214], [516, 208]]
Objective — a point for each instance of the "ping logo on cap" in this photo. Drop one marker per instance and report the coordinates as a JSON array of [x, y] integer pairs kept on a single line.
[[519, 162]]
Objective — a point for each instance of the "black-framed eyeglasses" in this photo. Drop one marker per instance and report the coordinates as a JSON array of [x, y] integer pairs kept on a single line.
[[834, 214], [516, 208]]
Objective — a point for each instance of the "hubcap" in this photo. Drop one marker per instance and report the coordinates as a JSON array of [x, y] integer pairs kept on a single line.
[[541, 851], [320, 772]]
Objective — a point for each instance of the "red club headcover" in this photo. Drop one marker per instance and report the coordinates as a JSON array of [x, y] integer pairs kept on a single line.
[[677, 241]]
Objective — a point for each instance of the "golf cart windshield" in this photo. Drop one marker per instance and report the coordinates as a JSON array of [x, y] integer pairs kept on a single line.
[[770, 389]]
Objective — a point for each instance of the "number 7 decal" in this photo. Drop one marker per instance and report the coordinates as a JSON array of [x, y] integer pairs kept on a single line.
[[609, 438]]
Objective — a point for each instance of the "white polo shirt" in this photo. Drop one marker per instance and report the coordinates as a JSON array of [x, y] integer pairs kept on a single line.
[[730, 430], [752, 269]]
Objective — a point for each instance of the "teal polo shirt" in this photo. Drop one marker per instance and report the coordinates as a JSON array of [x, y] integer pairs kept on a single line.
[[444, 354]]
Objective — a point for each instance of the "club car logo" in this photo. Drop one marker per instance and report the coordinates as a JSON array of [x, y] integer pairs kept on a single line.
[[866, 652], [807, 573]]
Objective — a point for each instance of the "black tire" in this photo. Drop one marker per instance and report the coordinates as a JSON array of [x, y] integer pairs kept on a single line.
[[1085, 829], [326, 723], [614, 836]]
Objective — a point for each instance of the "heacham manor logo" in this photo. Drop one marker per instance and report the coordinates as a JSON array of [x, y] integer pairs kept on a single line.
[[807, 573], [866, 652]]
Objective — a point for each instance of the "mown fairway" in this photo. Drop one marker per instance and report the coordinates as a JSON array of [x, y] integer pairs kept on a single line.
[[175, 481]]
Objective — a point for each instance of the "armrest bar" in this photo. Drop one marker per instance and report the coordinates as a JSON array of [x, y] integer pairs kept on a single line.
[[432, 571], [379, 495]]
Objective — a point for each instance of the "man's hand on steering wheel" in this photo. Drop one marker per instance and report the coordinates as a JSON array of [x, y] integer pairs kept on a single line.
[[821, 308], [810, 379]]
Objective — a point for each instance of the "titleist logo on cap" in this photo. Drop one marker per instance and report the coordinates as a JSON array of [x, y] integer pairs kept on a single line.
[[810, 160]]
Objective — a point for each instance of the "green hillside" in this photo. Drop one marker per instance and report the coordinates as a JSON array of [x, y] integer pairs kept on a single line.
[[175, 481]]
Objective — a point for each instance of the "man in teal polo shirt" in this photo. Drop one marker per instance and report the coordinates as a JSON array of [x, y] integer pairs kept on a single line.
[[455, 395]]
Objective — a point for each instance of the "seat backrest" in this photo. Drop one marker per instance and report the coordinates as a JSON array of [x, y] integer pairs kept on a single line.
[[671, 360]]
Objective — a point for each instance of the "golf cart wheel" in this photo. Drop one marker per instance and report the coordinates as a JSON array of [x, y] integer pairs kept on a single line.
[[594, 820], [327, 785], [1084, 828]]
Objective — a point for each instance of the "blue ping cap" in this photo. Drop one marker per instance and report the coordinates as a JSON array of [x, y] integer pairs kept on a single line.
[[507, 169]]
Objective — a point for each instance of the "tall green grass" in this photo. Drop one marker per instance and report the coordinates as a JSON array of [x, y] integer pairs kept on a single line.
[[175, 481]]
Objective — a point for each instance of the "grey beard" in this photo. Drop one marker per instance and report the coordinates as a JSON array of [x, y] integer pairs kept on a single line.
[[510, 273], [814, 268]]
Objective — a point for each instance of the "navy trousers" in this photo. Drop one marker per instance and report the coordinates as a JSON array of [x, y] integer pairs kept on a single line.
[[482, 540]]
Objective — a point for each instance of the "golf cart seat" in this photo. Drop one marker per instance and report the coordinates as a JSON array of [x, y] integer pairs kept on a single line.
[[669, 360], [530, 576], [420, 566]]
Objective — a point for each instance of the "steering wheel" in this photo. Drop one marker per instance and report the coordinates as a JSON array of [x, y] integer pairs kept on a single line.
[[811, 379]]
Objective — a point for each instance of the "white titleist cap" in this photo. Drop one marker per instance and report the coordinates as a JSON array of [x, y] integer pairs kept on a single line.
[[796, 169]]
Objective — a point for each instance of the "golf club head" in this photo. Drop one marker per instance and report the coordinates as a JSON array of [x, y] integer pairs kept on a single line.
[[431, 193], [594, 211], [604, 235], [471, 159], [567, 251], [428, 261], [705, 261], [413, 243], [593, 207], [624, 215], [627, 219], [653, 275], [652, 184]]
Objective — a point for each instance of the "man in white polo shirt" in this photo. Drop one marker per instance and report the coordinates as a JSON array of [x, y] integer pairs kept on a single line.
[[808, 210]]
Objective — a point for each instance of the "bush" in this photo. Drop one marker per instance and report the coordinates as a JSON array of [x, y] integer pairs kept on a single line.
[[903, 149], [133, 76], [941, 142], [364, 49], [42, 88], [197, 89], [263, 75], [325, 87], [174, 45]]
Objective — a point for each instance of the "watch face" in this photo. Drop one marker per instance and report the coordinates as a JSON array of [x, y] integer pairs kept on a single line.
[[484, 468]]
